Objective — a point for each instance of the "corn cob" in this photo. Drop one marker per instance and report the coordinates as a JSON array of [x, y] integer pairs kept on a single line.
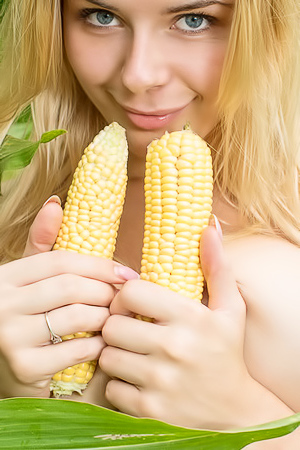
[[178, 203], [90, 223]]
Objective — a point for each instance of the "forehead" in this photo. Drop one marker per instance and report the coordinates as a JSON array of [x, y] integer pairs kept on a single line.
[[160, 6]]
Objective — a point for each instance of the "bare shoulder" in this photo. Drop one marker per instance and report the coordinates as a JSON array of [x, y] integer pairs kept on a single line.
[[265, 265], [268, 274]]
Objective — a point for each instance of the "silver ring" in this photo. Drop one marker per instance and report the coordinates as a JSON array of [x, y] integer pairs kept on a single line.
[[55, 338]]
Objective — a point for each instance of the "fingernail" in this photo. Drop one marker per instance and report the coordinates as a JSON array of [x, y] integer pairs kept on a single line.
[[125, 273], [53, 199], [214, 222]]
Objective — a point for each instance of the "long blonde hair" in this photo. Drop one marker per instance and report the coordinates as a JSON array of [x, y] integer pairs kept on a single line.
[[257, 159], [256, 142], [35, 72]]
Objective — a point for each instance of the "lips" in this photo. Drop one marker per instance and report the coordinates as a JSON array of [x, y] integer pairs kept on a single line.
[[152, 120]]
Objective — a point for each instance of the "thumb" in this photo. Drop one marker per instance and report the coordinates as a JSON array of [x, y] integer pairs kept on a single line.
[[43, 231], [222, 288]]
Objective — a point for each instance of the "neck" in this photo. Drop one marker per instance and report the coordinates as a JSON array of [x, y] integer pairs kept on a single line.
[[136, 167]]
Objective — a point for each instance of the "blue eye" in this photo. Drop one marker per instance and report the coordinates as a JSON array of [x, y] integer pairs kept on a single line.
[[104, 18], [100, 18], [193, 22]]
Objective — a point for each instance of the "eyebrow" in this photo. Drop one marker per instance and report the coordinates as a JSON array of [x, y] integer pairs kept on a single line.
[[104, 5], [196, 5], [172, 10]]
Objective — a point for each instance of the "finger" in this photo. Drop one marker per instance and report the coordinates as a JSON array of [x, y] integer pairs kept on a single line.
[[49, 264], [151, 300], [61, 291], [221, 284], [32, 331], [131, 334], [40, 363], [64, 321], [127, 366], [43, 231], [124, 396]]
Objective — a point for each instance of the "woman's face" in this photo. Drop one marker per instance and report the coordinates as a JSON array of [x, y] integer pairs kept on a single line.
[[151, 65]]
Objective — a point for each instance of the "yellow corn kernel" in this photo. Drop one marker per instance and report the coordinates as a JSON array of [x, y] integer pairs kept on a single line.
[[183, 198], [90, 224]]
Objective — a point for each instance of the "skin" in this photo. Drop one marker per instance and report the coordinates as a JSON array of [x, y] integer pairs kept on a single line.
[[218, 362], [76, 291], [138, 78], [120, 69]]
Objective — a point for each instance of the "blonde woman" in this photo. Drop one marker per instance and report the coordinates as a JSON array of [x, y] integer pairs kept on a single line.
[[231, 68]]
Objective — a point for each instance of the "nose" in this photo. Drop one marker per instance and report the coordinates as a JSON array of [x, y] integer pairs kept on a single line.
[[145, 66]]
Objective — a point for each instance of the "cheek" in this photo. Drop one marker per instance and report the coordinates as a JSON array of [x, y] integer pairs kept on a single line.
[[204, 69], [90, 61]]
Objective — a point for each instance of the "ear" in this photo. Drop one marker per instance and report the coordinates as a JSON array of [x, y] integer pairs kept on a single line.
[[43, 231]]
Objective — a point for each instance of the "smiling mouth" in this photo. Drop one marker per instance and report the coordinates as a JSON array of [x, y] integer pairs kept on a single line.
[[152, 120], [162, 112]]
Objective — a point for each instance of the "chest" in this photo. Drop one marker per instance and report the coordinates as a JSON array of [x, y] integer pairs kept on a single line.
[[131, 231]]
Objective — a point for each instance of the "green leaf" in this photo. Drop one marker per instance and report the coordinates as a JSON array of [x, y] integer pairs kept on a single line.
[[16, 153], [23, 125], [25, 115], [66, 425], [3, 6], [49, 135], [21, 130]]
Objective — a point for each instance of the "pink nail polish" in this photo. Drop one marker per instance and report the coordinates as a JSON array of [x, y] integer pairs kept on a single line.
[[214, 222], [53, 199], [125, 273]]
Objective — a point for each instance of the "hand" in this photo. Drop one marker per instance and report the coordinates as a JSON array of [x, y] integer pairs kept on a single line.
[[43, 232], [75, 289], [187, 366]]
